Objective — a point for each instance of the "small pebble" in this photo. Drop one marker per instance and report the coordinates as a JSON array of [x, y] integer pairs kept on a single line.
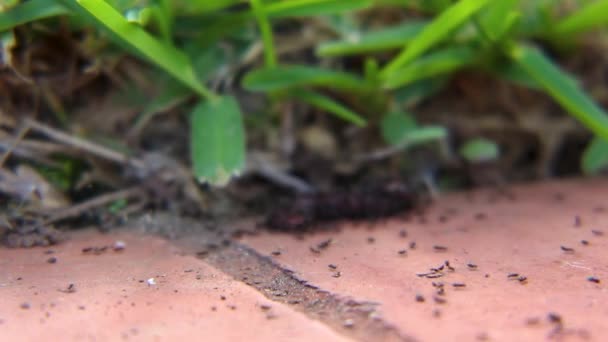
[[119, 246]]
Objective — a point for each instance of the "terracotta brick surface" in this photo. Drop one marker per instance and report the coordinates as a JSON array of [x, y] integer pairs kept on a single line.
[[522, 232], [535, 231], [113, 301]]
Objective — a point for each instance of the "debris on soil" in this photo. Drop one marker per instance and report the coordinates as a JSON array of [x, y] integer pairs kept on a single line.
[[307, 211], [566, 249], [321, 246], [32, 235], [71, 288], [438, 248]]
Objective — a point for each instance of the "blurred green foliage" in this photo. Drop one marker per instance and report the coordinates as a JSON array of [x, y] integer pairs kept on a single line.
[[183, 38]]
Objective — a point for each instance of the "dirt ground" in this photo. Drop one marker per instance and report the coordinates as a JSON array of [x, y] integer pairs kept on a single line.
[[524, 264]]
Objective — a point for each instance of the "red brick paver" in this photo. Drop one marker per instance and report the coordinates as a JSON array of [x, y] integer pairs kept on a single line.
[[500, 236], [537, 234], [111, 299]]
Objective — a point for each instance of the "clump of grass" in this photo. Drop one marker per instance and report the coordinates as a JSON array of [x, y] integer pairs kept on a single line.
[[433, 41]]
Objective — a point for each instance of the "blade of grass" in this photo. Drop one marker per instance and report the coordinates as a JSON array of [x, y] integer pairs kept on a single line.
[[440, 62], [289, 76], [595, 157], [29, 11], [396, 125], [172, 60], [206, 6], [561, 87], [217, 140], [270, 56], [498, 18], [435, 32], [593, 14], [375, 41], [302, 8], [325, 103]]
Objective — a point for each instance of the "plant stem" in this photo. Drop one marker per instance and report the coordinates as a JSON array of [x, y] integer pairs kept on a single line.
[[270, 57]]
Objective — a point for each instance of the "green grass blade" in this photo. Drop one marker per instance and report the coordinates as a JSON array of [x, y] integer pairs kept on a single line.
[[325, 103], [423, 135], [516, 74], [562, 88], [206, 6], [170, 59], [29, 11], [302, 8], [437, 63], [217, 141], [435, 32], [375, 41], [290, 76], [592, 15], [479, 150], [595, 157], [270, 56], [419, 91], [498, 18], [396, 125]]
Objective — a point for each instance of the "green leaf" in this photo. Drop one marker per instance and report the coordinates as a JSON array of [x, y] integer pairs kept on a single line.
[[419, 91], [595, 157], [205, 6], [436, 63], [425, 135], [290, 76], [302, 8], [479, 150], [270, 56], [375, 41], [435, 32], [329, 105], [170, 59], [396, 125], [29, 11], [594, 14], [516, 74], [498, 18], [217, 141], [562, 87]]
